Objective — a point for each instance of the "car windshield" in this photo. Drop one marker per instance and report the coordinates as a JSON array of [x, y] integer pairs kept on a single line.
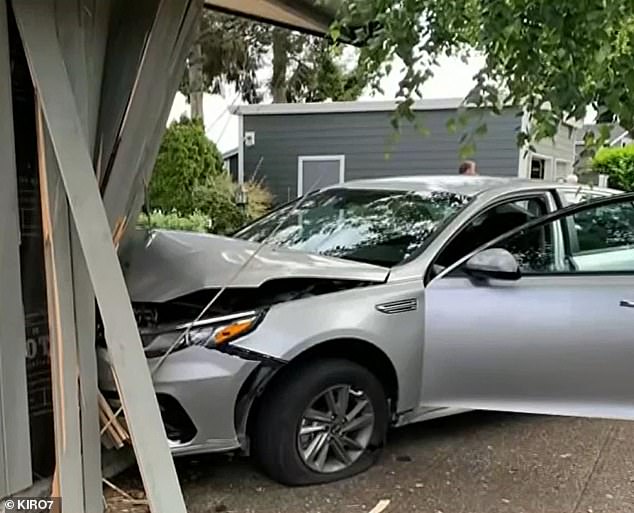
[[381, 227]]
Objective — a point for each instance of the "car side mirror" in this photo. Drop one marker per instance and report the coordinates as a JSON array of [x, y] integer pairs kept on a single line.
[[495, 263]]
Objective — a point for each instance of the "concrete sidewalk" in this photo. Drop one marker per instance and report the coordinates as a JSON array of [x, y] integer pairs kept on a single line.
[[473, 463]]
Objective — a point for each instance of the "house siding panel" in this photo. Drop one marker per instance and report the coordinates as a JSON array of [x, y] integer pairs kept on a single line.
[[364, 138], [561, 148]]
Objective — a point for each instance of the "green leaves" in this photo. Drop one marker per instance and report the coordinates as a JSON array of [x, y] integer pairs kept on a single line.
[[186, 158], [190, 188], [618, 164], [569, 53]]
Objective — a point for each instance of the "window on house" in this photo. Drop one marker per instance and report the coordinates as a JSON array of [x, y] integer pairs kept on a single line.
[[562, 169], [538, 168]]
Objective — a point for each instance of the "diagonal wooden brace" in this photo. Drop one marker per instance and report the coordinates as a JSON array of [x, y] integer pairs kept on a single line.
[[122, 337]]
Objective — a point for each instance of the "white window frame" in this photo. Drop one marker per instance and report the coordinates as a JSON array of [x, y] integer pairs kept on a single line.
[[549, 170], [570, 165], [318, 158]]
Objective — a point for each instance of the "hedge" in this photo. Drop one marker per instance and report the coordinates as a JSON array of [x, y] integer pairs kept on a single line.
[[618, 164]]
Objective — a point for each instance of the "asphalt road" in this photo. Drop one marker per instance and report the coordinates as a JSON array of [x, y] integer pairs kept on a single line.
[[472, 463]]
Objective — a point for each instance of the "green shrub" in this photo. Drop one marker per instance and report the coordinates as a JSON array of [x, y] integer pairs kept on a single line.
[[191, 190], [185, 160], [218, 212], [216, 198], [195, 222], [260, 199], [618, 164]]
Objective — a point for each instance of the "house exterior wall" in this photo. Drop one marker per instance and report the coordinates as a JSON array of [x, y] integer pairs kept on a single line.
[[560, 153], [365, 139]]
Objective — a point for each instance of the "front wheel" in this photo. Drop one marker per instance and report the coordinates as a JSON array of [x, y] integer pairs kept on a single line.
[[322, 421]]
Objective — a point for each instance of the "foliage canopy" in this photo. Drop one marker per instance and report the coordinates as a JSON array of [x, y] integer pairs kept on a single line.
[[304, 68], [551, 58]]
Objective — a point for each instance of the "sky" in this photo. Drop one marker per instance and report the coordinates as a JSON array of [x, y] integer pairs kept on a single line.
[[452, 79]]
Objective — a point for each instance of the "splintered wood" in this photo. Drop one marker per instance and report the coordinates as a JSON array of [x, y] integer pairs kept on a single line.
[[114, 434]]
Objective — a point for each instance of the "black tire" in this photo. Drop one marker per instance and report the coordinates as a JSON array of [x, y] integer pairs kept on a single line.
[[280, 411]]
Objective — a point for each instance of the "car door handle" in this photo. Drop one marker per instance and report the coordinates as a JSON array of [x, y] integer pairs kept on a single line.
[[626, 304]]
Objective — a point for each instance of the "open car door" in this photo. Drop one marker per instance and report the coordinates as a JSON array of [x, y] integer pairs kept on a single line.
[[557, 337]]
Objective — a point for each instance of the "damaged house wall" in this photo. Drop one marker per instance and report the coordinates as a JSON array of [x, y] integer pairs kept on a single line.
[[15, 463], [115, 66], [114, 53]]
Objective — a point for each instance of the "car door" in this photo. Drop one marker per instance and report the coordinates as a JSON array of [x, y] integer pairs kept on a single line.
[[558, 340]]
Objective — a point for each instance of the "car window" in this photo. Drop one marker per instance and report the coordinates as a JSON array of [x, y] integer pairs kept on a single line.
[[600, 239], [574, 196], [383, 227], [490, 224], [534, 249]]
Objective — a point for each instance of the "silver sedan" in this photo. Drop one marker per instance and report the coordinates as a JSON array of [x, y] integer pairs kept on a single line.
[[380, 303]]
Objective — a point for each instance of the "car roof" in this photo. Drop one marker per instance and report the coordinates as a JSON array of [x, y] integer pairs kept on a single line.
[[458, 184]]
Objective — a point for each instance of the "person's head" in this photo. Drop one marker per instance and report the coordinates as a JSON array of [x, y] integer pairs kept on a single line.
[[468, 167]]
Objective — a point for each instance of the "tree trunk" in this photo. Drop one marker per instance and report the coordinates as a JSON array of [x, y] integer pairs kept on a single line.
[[195, 75], [280, 64]]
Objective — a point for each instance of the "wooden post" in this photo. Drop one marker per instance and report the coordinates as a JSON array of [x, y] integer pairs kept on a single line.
[[46, 63], [15, 465], [61, 320]]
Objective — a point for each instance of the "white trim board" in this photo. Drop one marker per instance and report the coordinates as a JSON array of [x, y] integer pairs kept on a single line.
[[241, 150], [318, 158], [523, 152], [328, 107], [549, 172]]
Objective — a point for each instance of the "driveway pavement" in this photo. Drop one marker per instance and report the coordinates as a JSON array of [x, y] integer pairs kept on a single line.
[[477, 462]]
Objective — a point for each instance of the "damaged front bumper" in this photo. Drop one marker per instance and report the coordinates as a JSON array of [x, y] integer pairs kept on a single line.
[[204, 395]]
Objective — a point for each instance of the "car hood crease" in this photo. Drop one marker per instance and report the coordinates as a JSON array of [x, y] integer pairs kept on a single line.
[[162, 265]]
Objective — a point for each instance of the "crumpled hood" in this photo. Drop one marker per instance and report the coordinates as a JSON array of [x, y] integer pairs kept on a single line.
[[162, 265]]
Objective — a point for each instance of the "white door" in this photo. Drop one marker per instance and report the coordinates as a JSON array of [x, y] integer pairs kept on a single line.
[[318, 171]]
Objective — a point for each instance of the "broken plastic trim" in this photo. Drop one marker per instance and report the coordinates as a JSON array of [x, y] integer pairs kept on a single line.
[[248, 354]]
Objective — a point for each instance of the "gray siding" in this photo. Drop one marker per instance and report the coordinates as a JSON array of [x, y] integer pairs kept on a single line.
[[364, 139]]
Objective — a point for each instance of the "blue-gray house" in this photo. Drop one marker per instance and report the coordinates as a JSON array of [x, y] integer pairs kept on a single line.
[[290, 146]]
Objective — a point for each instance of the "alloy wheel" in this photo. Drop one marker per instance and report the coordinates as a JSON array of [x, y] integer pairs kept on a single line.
[[335, 429]]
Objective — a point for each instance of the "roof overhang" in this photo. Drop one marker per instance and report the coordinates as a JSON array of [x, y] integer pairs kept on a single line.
[[311, 16], [341, 107]]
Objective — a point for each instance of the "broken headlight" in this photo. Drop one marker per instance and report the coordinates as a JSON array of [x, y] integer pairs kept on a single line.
[[159, 343], [218, 331], [212, 333]]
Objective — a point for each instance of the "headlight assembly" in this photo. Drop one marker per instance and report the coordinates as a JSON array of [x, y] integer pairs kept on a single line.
[[216, 332], [213, 333]]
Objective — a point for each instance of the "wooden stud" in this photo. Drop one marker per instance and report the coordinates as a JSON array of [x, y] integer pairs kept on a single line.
[[15, 465], [61, 316], [122, 337]]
